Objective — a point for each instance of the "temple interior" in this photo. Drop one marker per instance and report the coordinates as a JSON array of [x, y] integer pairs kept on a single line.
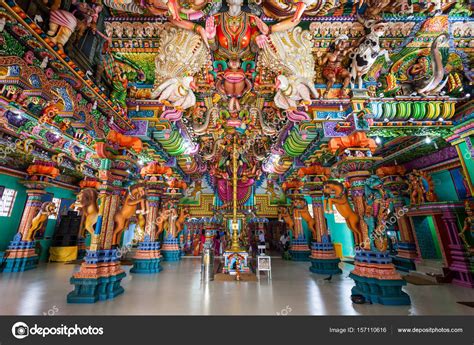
[[210, 157]]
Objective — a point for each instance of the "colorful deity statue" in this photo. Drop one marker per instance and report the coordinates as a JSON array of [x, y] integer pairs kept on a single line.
[[378, 206], [333, 68]]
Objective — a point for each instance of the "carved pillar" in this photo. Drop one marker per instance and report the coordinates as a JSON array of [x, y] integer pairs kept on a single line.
[[457, 258], [20, 255], [100, 274], [323, 256], [406, 251]]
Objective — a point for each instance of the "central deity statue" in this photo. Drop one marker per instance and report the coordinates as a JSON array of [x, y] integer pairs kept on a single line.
[[235, 34]]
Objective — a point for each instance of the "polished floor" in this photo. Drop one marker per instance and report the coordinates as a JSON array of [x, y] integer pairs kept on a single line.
[[178, 290]]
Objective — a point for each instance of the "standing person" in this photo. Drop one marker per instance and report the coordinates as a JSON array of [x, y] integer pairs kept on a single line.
[[261, 238], [285, 241], [217, 243]]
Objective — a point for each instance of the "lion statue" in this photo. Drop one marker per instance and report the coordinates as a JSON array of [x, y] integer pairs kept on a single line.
[[134, 200], [47, 209], [86, 204]]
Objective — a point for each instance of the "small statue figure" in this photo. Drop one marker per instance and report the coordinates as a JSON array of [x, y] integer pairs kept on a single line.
[[233, 83], [332, 62]]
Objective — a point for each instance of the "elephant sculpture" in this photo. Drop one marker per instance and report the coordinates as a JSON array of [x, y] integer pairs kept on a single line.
[[135, 199], [86, 203], [47, 209]]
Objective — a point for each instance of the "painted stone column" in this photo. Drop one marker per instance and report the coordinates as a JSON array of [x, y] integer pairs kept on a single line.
[[375, 275], [171, 250], [148, 257], [20, 255], [406, 251], [323, 256], [100, 275], [376, 279], [299, 249], [456, 255]]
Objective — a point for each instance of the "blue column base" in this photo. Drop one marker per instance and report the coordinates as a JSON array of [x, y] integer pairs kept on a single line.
[[171, 255], [325, 266], [146, 266], [20, 264], [386, 292], [91, 290], [403, 264], [300, 255]]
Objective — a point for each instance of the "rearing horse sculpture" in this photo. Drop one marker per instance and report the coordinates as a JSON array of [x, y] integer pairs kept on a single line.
[[341, 201]]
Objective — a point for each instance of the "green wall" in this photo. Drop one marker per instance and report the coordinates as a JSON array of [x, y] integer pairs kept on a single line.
[[50, 227], [444, 186], [9, 225], [340, 233]]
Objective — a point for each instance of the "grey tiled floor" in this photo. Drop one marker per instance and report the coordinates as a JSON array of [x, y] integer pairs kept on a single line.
[[178, 290]]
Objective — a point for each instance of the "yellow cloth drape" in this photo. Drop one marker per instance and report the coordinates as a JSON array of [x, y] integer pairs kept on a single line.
[[338, 249], [62, 254]]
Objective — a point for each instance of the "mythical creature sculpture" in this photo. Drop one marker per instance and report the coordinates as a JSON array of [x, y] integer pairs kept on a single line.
[[125, 141], [135, 199], [86, 204], [378, 207], [47, 209], [333, 68], [341, 201], [289, 53], [181, 55]]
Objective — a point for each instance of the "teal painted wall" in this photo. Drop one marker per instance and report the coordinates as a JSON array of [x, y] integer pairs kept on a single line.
[[51, 226], [444, 186], [427, 240], [9, 225], [468, 159], [340, 233]]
